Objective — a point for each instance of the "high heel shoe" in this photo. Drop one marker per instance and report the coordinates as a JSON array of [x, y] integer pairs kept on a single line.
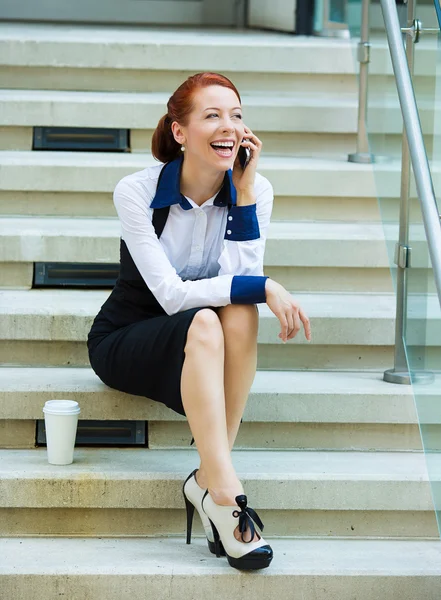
[[224, 520], [193, 494]]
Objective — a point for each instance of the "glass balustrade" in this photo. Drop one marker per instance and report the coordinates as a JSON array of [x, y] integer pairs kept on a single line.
[[420, 339], [423, 335]]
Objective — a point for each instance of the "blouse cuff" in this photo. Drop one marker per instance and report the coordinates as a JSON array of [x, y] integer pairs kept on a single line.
[[248, 289], [242, 223]]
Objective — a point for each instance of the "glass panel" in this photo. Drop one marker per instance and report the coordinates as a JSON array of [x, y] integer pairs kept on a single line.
[[421, 339], [423, 351], [423, 335], [331, 17], [438, 11], [337, 11]]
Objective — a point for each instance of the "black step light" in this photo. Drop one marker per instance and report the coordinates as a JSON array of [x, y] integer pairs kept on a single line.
[[81, 139]]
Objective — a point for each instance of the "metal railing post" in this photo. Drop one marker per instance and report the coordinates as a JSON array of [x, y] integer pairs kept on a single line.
[[412, 149], [362, 154], [400, 372]]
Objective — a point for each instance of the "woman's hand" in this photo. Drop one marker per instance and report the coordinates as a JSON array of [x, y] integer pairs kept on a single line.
[[287, 310], [243, 179]]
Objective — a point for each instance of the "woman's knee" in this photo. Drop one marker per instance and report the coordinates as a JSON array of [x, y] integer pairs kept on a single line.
[[240, 319], [205, 329]]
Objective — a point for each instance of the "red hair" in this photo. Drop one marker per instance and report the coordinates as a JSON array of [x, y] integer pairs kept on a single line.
[[164, 146]]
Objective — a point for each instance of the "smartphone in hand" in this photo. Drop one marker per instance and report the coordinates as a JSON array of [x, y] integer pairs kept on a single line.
[[244, 156]]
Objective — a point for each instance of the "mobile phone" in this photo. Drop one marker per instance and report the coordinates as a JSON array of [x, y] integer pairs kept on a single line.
[[244, 156]]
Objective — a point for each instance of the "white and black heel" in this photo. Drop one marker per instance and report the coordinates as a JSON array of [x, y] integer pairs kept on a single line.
[[245, 555], [193, 495]]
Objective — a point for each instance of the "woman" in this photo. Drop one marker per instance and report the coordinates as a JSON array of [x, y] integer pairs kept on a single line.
[[180, 327]]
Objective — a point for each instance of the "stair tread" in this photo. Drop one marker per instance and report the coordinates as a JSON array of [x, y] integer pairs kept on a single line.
[[323, 176], [296, 111], [275, 479], [366, 305], [283, 98], [96, 227], [144, 159], [289, 243], [151, 34], [153, 47], [305, 383], [262, 98], [350, 319], [171, 556], [276, 396], [144, 464]]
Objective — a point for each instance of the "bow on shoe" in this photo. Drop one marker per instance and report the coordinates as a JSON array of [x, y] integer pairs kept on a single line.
[[246, 516]]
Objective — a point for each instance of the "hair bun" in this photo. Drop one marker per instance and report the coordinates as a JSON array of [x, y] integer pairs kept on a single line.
[[164, 146]]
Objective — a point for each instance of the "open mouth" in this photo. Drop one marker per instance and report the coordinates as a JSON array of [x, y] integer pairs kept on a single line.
[[224, 149]]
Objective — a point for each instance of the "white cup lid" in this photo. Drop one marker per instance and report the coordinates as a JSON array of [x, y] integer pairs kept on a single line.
[[61, 406]]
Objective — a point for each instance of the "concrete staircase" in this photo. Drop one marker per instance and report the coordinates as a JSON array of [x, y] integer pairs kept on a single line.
[[330, 455]]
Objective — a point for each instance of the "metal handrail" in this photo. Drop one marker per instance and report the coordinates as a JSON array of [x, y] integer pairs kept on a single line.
[[412, 125], [413, 151]]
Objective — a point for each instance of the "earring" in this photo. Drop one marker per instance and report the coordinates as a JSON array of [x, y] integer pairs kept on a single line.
[[182, 148]]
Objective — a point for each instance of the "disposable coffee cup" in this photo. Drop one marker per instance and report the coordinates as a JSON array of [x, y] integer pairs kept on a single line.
[[61, 422]]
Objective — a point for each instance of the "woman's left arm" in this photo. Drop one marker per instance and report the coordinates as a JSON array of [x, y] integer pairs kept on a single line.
[[246, 233]]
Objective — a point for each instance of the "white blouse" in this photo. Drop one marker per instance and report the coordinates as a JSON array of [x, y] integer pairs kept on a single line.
[[206, 255]]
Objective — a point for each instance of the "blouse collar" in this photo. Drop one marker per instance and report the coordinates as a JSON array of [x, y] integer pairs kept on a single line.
[[168, 189]]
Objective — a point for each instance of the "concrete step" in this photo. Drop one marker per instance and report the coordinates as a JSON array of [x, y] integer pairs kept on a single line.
[[284, 122], [313, 188], [53, 47], [299, 255], [285, 409], [265, 111], [101, 171], [154, 48], [82, 183], [340, 493], [303, 255], [349, 331], [302, 569], [20, 276], [285, 208], [296, 111], [61, 309], [307, 70], [299, 112], [291, 244]]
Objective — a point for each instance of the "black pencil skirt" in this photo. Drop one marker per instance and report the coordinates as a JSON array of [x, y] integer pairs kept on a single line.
[[145, 357]]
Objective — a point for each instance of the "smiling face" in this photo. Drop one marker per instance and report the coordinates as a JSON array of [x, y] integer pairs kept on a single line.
[[214, 129]]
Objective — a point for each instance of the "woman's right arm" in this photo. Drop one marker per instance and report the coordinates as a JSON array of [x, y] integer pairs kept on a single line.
[[172, 293]]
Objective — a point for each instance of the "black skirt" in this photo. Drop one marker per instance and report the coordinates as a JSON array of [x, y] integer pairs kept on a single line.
[[144, 357], [134, 345]]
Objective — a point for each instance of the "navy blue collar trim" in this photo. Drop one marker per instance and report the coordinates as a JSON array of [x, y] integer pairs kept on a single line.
[[168, 190]]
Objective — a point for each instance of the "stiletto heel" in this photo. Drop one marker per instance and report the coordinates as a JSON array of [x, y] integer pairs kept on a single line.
[[193, 494], [216, 537], [190, 512], [245, 555]]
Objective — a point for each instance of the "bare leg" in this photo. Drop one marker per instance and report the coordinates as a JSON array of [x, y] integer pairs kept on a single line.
[[240, 324], [212, 340], [203, 398]]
